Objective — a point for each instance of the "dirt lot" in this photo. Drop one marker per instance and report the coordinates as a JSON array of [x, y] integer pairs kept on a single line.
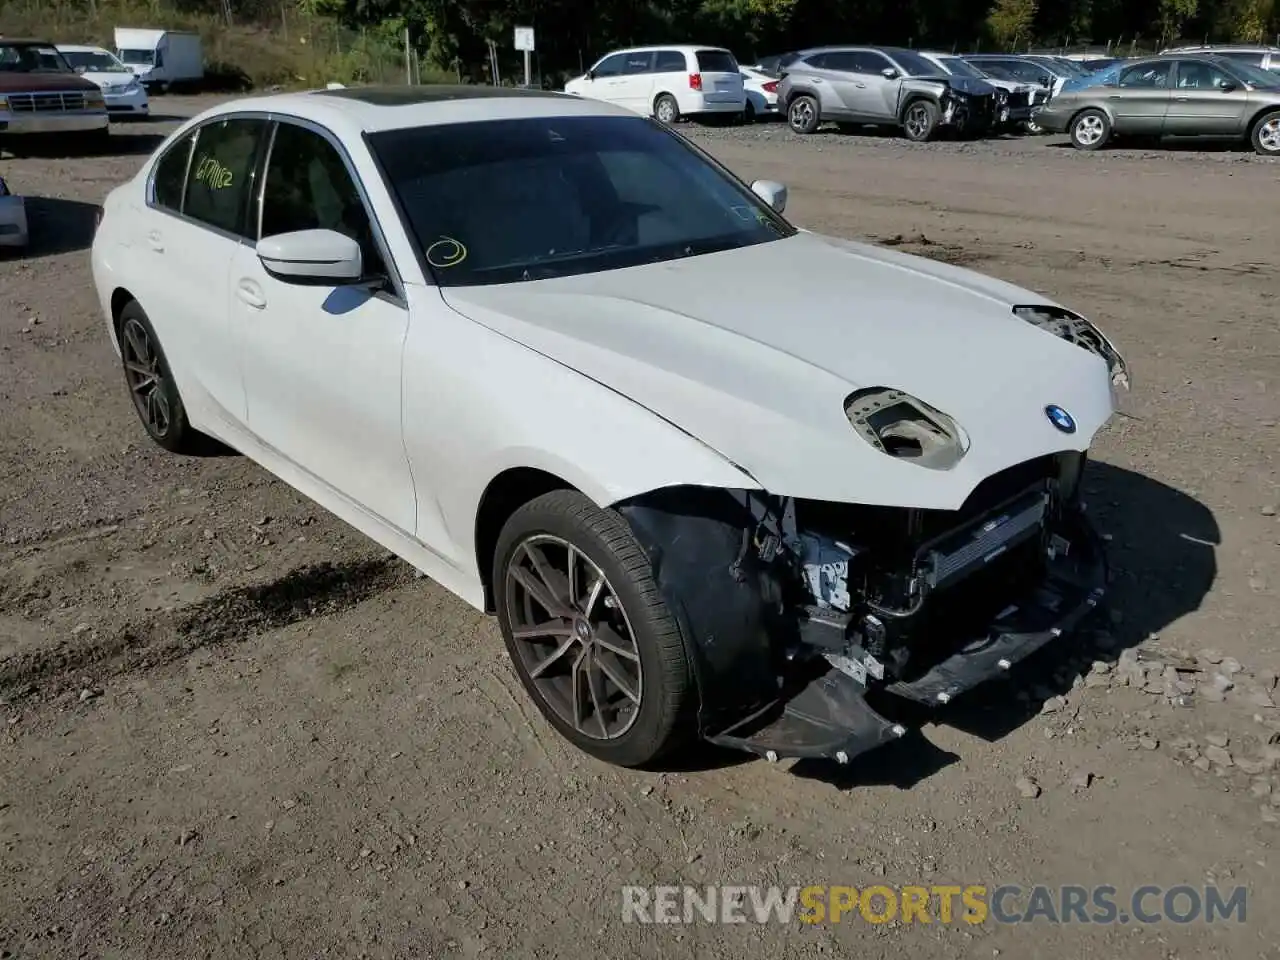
[[231, 726]]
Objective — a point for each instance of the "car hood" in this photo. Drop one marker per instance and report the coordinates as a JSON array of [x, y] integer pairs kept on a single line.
[[109, 78], [754, 351], [31, 82], [969, 85]]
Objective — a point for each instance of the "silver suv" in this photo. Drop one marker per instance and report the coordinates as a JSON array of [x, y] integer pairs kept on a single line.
[[1268, 58], [855, 86]]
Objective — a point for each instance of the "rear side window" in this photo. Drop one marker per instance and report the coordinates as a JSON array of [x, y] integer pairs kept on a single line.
[[716, 61], [220, 180], [171, 175], [638, 62], [669, 61]]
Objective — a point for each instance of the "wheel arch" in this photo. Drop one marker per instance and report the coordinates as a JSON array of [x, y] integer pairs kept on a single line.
[[915, 96], [505, 494], [120, 298], [658, 95], [799, 91], [1111, 120]]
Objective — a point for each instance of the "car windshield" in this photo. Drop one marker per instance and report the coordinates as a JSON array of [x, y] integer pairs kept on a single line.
[[962, 69], [95, 61], [142, 57], [1071, 67], [1255, 76], [915, 65], [503, 201], [31, 58]]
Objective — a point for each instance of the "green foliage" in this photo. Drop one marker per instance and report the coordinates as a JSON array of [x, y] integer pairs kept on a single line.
[[296, 42], [1012, 21]]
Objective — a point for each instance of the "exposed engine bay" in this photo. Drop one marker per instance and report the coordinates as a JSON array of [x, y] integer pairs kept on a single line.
[[796, 609]]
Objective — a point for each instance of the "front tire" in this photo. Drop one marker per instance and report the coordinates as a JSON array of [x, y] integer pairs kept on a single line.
[[588, 631], [803, 114], [666, 109], [920, 121], [151, 384], [1090, 130], [1266, 134]]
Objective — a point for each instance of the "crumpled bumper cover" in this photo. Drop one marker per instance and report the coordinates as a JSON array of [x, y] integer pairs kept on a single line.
[[733, 637]]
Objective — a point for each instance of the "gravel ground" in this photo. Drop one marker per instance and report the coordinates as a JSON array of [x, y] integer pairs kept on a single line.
[[231, 726]]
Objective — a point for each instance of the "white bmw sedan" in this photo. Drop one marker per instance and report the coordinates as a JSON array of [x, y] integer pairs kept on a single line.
[[717, 476]]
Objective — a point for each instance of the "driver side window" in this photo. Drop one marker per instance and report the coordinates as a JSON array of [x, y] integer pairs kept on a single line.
[[1193, 75], [308, 187]]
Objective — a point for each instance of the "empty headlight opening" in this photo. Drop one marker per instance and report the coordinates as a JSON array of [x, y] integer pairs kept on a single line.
[[902, 427], [1076, 329]]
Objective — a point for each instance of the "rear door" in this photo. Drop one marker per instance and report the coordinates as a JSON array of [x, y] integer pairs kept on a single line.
[[1140, 99], [870, 94], [721, 79], [196, 221], [1206, 102]]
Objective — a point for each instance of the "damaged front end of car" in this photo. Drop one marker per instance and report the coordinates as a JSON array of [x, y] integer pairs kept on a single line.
[[793, 611]]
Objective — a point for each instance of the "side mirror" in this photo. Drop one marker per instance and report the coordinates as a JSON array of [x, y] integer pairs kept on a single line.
[[314, 257], [772, 193], [1046, 81], [590, 75], [1227, 87], [888, 73]]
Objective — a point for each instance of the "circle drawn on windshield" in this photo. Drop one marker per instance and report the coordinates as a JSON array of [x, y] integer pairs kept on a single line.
[[446, 252]]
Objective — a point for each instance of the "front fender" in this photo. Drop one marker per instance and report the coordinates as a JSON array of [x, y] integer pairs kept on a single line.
[[510, 407]]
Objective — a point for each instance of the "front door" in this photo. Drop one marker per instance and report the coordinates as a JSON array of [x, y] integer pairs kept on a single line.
[[322, 364], [1206, 102]]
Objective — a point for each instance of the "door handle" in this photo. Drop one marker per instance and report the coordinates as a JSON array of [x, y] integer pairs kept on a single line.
[[861, 86], [250, 293], [155, 241], [1183, 99]]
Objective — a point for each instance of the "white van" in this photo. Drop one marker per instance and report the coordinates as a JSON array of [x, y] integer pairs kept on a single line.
[[161, 58], [667, 82]]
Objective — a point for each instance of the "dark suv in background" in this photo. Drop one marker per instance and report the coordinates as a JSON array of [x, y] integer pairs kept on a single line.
[[890, 86]]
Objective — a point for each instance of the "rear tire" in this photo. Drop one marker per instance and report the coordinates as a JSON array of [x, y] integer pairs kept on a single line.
[[1090, 130], [804, 115], [1266, 134], [628, 707], [666, 109], [749, 113], [151, 385]]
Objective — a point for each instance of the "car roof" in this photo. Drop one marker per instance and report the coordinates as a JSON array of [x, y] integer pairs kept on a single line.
[[681, 47], [81, 48], [351, 111]]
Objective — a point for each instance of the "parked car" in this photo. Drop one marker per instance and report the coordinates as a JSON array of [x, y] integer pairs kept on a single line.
[[1173, 95], [775, 63], [882, 85], [762, 93], [689, 518], [161, 59], [1019, 98], [1267, 58], [13, 218], [1007, 66], [124, 93], [40, 95], [667, 82]]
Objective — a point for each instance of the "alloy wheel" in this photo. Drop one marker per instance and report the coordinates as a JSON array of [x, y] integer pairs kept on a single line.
[[1089, 130], [917, 122], [145, 377], [801, 113], [573, 637], [1269, 135], [666, 111]]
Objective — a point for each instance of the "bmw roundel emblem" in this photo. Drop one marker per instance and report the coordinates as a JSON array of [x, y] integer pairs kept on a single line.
[[1060, 418]]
